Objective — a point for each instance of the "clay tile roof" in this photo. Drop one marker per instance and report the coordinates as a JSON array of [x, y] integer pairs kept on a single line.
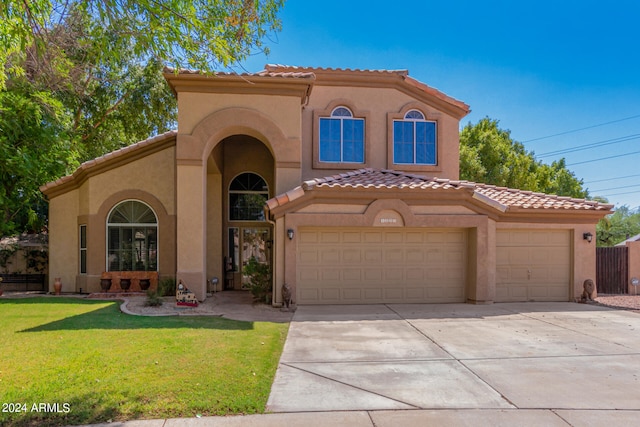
[[502, 198], [263, 73], [282, 67], [87, 166], [401, 74]]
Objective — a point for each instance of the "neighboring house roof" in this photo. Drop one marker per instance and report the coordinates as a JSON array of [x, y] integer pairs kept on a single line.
[[501, 198], [377, 78], [630, 239], [109, 161]]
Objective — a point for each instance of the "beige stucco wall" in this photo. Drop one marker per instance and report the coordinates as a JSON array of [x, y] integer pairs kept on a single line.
[[634, 266], [154, 174], [149, 178], [63, 240], [194, 107], [376, 104]]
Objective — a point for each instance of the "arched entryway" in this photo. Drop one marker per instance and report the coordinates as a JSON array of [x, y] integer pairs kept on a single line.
[[240, 178]]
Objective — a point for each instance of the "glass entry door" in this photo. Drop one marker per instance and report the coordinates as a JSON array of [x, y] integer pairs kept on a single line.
[[246, 243]]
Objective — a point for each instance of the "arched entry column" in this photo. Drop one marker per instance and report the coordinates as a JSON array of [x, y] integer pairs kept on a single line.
[[195, 165]]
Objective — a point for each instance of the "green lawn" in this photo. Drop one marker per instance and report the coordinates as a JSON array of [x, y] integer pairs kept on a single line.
[[98, 364]]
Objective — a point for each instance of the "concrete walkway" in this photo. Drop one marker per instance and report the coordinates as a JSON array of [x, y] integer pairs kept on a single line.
[[525, 364]]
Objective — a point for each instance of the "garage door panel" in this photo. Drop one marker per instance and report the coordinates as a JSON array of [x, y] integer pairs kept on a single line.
[[373, 294], [352, 274], [330, 256], [373, 237], [373, 256], [394, 255], [329, 237], [414, 256], [394, 275], [393, 237], [330, 294], [415, 274], [414, 237], [308, 257], [378, 265], [350, 237], [330, 275], [533, 265]]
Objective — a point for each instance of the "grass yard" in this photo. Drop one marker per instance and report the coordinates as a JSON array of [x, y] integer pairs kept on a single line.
[[71, 361]]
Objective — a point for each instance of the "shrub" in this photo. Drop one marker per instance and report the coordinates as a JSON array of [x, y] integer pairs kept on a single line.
[[167, 287], [259, 278], [153, 299]]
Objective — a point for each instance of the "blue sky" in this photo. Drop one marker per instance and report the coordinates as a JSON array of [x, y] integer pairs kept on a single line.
[[541, 68]]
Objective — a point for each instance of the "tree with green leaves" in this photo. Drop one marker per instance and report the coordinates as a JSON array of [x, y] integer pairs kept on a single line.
[[489, 155], [87, 75], [199, 34], [617, 227], [34, 149]]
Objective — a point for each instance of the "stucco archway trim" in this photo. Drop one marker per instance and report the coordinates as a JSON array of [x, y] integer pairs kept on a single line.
[[389, 205], [166, 229], [239, 121]]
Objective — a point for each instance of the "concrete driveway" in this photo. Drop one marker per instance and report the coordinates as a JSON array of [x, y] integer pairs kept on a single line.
[[558, 362]]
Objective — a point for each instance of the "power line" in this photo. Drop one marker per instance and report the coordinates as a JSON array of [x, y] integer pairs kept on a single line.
[[619, 194], [602, 158], [584, 128], [591, 145], [616, 188], [611, 179]]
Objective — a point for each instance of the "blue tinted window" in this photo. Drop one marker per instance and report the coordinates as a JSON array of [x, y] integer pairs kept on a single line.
[[414, 140], [341, 137]]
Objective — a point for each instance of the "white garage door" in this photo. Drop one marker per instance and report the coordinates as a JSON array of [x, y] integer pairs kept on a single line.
[[380, 265], [533, 265]]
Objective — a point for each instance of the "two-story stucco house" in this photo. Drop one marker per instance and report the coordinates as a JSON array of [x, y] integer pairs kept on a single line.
[[345, 181]]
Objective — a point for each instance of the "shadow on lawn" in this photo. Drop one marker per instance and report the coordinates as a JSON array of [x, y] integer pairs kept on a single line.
[[87, 409], [110, 317]]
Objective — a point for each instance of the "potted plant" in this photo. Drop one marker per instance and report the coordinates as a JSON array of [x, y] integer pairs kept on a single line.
[[125, 284], [105, 282], [145, 284]]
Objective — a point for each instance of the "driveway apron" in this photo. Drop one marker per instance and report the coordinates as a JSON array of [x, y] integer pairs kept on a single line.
[[457, 356]]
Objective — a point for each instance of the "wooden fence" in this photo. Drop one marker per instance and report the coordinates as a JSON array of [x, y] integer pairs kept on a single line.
[[612, 270]]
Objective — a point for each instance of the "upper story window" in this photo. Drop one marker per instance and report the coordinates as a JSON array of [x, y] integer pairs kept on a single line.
[[248, 193], [341, 137], [414, 140], [132, 237]]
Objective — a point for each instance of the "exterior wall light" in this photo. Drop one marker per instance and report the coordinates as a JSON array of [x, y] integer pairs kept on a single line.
[[588, 237], [290, 233]]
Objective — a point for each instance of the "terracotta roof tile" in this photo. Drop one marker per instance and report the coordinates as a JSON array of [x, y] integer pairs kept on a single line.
[[402, 74], [501, 198], [263, 73], [90, 164]]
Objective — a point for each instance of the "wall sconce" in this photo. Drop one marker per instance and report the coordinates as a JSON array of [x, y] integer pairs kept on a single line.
[[290, 233], [588, 237]]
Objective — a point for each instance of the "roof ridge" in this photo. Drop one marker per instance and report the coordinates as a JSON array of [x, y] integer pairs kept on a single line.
[[274, 67]]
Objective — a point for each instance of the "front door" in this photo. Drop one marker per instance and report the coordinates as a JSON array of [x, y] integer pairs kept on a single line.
[[246, 243]]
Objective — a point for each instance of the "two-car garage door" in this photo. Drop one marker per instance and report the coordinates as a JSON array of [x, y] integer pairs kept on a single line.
[[338, 265], [380, 265]]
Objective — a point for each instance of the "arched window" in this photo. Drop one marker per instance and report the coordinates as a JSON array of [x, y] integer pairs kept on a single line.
[[341, 137], [414, 140], [248, 193], [132, 237]]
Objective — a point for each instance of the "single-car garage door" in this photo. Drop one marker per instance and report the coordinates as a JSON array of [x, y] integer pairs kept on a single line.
[[380, 265], [533, 265]]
